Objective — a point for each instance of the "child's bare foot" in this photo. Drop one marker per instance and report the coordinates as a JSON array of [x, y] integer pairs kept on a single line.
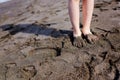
[[91, 38], [78, 42]]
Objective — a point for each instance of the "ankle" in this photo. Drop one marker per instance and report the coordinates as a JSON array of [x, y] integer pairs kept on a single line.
[[86, 31], [76, 34]]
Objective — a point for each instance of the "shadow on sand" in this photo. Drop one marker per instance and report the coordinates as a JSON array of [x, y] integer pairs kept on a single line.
[[37, 29]]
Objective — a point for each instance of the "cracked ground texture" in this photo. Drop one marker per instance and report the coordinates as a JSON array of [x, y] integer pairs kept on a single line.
[[36, 43]]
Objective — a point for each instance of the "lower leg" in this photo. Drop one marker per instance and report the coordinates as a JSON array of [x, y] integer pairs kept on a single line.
[[73, 7], [88, 6]]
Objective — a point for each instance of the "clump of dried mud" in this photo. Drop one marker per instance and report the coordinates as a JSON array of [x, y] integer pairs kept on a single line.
[[35, 42]]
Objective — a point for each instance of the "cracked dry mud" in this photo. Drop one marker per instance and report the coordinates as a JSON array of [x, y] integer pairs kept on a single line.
[[35, 42]]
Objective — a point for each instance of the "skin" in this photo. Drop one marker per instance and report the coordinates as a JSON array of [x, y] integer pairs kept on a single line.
[[73, 7]]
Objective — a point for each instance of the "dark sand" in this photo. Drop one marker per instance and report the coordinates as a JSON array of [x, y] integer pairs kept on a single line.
[[35, 42]]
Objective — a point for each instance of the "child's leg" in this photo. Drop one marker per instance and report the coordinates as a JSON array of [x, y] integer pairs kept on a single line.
[[88, 6], [73, 7]]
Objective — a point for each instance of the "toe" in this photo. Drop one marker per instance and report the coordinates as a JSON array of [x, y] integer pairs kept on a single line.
[[78, 42], [91, 38]]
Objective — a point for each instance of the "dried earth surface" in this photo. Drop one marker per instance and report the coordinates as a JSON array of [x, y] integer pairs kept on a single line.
[[36, 43]]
